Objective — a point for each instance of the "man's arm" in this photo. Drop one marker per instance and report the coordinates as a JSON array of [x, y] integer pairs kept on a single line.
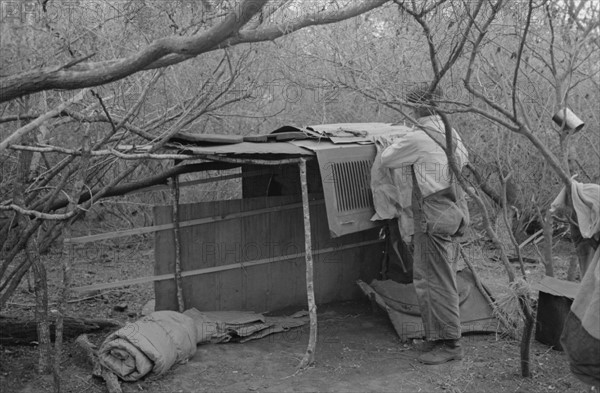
[[404, 151]]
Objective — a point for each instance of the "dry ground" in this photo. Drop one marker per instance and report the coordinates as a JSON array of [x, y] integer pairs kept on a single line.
[[357, 350]]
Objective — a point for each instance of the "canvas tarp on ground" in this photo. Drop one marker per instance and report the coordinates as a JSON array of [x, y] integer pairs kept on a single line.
[[400, 303]]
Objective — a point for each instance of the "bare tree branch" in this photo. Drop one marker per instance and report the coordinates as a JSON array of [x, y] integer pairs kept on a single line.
[[522, 42], [15, 136], [172, 50], [161, 178]]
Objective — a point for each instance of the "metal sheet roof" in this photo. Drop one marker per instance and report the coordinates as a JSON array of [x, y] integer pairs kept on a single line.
[[284, 148], [358, 132], [314, 138], [323, 144]]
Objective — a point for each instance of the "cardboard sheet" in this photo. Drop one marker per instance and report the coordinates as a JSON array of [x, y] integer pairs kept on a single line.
[[241, 326], [400, 303]]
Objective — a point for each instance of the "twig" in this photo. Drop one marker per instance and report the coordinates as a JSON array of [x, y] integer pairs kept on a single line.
[[530, 238], [522, 42], [106, 113], [76, 61], [37, 214], [511, 235], [71, 301], [83, 299]]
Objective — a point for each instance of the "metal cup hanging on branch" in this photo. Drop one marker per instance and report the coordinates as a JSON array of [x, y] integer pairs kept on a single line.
[[567, 120]]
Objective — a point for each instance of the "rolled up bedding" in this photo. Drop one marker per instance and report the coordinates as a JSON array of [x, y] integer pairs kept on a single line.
[[152, 344]]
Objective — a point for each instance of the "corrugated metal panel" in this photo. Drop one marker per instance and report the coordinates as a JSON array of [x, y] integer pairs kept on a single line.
[[352, 188], [346, 179]]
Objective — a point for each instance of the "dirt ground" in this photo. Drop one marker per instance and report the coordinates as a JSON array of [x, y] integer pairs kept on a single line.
[[357, 350]]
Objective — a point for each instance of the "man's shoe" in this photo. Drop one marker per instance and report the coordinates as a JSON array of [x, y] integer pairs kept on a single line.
[[442, 354]]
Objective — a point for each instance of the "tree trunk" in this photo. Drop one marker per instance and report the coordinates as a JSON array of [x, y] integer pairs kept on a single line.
[[32, 260], [548, 258], [24, 332], [42, 330], [526, 338]]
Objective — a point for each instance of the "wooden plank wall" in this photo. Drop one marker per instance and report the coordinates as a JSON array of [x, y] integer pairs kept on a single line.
[[264, 287]]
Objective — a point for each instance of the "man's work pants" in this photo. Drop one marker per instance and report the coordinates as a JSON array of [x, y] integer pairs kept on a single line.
[[434, 278], [434, 273]]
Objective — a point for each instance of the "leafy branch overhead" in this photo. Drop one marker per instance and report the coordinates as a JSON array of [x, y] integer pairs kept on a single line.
[[172, 50]]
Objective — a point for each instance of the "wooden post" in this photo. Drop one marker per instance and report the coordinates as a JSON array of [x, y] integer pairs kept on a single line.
[[175, 206], [309, 356], [67, 261], [548, 258]]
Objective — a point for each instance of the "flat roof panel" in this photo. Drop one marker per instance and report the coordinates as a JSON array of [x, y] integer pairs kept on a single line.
[[284, 148]]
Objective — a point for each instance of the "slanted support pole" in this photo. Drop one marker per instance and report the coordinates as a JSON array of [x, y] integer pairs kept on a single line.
[[175, 209], [309, 356]]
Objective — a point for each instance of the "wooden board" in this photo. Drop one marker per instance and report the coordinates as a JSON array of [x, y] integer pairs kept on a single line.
[[290, 136], [279, 137], [256, 138], [270, 234], [164, 243], [220, 139], [94, 288]]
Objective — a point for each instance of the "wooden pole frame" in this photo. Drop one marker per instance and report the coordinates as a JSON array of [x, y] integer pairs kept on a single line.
[[309, 356], [176, 235], [215, 269], [182, 224]]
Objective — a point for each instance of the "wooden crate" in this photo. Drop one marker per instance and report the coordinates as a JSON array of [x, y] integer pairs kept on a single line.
[[554, 302]]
